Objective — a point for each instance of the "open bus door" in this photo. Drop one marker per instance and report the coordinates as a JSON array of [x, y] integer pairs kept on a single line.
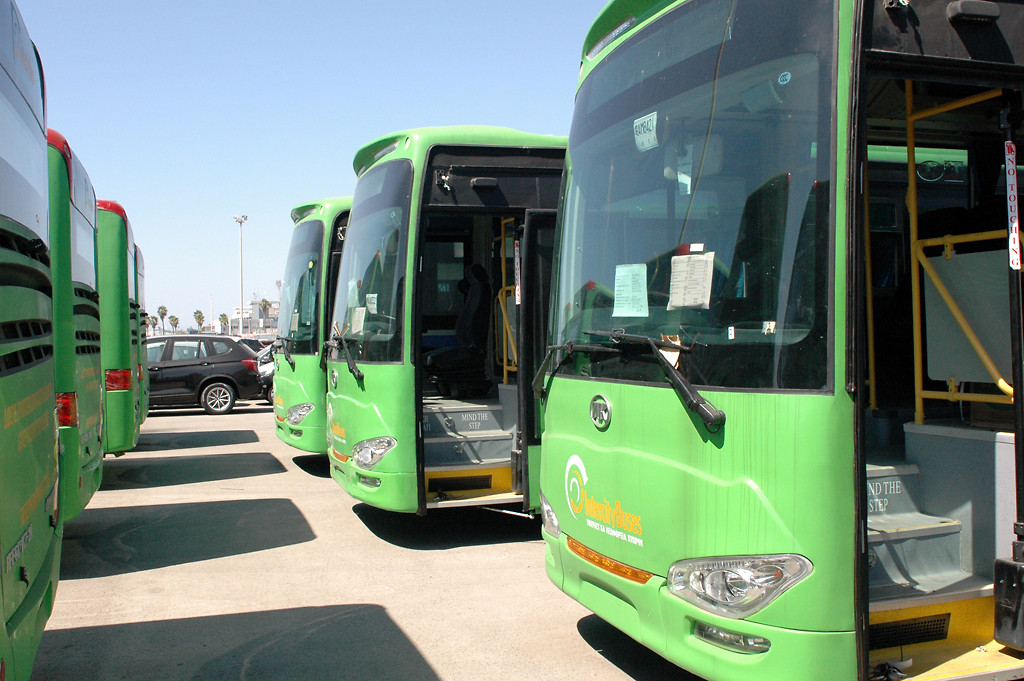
[[533, 285]]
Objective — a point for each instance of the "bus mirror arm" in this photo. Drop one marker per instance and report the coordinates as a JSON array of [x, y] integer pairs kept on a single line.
[[352, 368], [282, 345], [568, 348]]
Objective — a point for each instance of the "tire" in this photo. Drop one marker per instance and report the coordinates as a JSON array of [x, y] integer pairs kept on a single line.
[[268, 395], [218, 398]]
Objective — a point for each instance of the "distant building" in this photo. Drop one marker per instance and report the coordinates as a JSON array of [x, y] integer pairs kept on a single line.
[[255, 322]]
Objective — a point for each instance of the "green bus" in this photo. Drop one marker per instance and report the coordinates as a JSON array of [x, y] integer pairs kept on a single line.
[[423, 379], [307, 297], [30, 523], [120, 328], [76, 326], [777, 435]]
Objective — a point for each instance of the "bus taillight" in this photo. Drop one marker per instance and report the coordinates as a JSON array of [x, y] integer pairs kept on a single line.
[[67, 409], [119, 379], [139, 374]]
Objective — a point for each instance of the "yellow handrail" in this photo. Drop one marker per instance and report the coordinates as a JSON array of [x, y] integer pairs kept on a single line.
[[917, 246], [503, 328], [954, 309], [507, 333]]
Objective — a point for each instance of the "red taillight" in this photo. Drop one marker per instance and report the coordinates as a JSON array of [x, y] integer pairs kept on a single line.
[[3, 669], [67, 409], [119, 379], [250, 363]]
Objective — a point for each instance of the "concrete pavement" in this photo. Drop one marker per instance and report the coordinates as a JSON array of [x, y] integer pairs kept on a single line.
[[214, 551]]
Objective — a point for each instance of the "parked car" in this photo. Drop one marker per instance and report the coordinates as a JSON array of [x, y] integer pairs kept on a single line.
[[265, 365], [252, 343], [211, 371]]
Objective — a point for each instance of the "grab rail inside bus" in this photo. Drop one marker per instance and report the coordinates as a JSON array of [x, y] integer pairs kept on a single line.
[[917, 246]]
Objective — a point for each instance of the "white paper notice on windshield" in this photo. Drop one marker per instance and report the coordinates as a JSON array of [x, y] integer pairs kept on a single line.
[[690, 286], [630, 291], [358, 319], [645, 131]]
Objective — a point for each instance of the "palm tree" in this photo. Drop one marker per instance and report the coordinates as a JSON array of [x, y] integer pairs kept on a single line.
[[174, 323], [264, 306], [224, 321], [198, 316], [162, 312]]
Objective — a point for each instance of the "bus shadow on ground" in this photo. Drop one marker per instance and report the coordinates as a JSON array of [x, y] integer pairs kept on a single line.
[[103, 542], [447, 528], [329, 643], [155, 442], [635, 660], [143, 473], [317, 465]]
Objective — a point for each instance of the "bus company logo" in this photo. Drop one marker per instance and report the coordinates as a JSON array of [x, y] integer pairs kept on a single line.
[[600, 412], [575, 480], [601, 515]]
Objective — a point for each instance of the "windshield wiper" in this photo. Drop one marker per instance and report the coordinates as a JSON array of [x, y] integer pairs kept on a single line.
[[282, 344], [568, 348], [339, 340], [712, 417]]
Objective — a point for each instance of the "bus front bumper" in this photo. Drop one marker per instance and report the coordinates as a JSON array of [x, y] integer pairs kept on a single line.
[[666, 624], [389, 491]]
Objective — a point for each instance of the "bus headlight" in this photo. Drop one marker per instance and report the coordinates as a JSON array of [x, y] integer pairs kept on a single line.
[[298, 412], [736, 586], [368, 453], [550, 520]]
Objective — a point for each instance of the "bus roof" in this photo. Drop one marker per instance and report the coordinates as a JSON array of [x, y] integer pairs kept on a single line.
[[82, 193], [117, 209], [615, 20], [22, 64], [336, 204], [455, 135]]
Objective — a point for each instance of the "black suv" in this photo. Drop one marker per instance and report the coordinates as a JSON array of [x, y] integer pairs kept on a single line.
[[211, 371]]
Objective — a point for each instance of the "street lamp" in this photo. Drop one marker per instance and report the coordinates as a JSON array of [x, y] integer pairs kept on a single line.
[[241, 295]]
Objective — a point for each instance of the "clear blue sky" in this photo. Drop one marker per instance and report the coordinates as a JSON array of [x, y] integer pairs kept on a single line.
[[191, 112]]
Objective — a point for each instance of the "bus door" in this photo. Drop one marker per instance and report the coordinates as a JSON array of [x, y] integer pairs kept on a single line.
[[936, 423], [335, 241], [533, 294]]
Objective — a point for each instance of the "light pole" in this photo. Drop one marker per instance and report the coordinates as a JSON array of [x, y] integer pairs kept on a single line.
[[241, 295]]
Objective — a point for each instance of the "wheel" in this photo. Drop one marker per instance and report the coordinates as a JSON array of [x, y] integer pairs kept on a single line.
[[269, 394], [218, 398]]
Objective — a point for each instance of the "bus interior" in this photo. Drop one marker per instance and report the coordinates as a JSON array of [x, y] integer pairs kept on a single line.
[[468, 334], [936, 426]]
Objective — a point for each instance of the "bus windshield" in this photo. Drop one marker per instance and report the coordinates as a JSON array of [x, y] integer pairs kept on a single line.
[[697, 202], [368, 307], [300, 290]]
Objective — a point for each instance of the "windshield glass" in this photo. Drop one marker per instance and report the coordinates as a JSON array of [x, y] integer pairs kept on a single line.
[[696, 208], [368, 304], [300, 290]]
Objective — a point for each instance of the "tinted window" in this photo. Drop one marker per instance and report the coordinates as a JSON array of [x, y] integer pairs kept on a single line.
[[220, 347], [155, 351], [184, 350], [368, 306], [697, 204]]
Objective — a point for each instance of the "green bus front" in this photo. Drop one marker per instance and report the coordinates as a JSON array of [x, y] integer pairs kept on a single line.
[[307, 298], [424, 391], [768, 448], [76, 313], [119, 324], [30, 524]]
